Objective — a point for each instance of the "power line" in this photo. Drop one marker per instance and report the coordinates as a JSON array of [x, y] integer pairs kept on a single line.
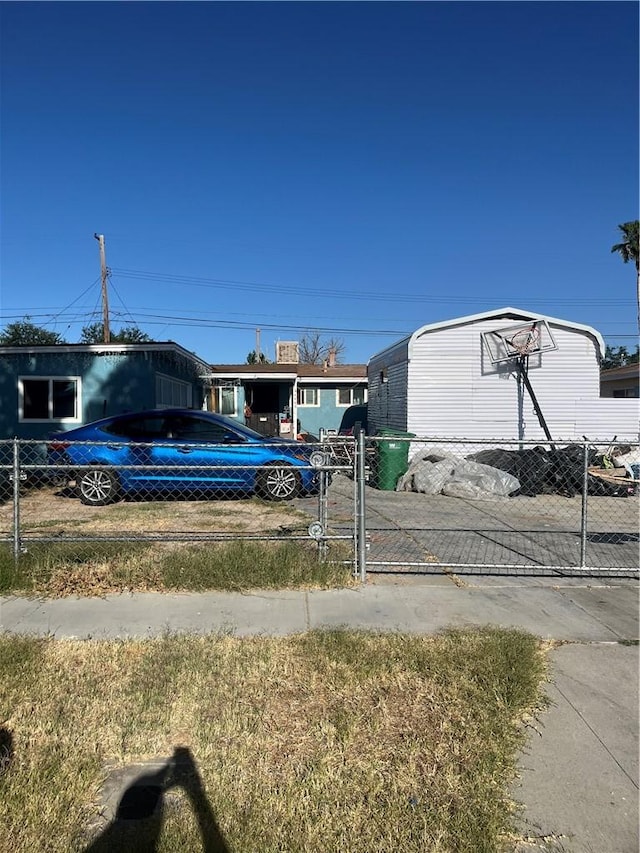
[[238, 324], [93, 284], [115, 290], [341, 293], [200, 322]]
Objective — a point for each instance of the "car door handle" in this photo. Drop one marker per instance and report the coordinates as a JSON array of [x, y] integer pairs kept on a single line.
[[185, 450], [115, 446]]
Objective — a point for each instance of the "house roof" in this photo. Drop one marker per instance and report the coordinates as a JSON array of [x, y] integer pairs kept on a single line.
[[346, 372], [507, 313], [625, 371], [105, 349]]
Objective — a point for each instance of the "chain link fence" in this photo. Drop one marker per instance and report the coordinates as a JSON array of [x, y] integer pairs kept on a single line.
[[501, 506], [112, 498], [386, 503]]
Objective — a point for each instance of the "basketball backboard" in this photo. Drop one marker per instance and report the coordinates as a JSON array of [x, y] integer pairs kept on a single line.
[[511, 342]]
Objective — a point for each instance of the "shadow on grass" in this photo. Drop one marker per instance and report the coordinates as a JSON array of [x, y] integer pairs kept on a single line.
[[160, 496], [138, 821], [6, 749]]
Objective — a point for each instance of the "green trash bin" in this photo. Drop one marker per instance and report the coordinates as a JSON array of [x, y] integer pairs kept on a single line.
[[392, 458]]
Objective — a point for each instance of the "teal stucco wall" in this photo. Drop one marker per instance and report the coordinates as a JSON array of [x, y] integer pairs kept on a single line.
[[111, 383], [328, 414]]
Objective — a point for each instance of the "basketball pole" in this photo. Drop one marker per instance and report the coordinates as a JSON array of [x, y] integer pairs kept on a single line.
[[524, 373]]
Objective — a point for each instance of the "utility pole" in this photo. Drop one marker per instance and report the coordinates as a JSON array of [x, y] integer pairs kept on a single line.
[[257, 346], [104, 272]]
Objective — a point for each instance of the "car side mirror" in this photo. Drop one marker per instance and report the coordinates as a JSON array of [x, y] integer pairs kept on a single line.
[[233, 439]]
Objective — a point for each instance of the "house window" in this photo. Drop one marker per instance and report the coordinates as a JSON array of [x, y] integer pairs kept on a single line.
[[225, 400], [173, 392], [351, 396], [45, 398], [625, 392], [308, 396]]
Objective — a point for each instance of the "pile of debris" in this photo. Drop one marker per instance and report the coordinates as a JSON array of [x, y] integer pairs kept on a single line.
[[507, 473]]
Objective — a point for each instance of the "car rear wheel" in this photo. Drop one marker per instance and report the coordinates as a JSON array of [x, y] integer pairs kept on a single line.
[[278, 483], [98, 487]]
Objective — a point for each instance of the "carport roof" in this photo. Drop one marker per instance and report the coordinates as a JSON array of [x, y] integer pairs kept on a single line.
[[345, 372], [507, 313]]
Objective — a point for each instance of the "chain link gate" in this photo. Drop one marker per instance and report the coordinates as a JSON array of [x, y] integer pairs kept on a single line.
[[500, 507]]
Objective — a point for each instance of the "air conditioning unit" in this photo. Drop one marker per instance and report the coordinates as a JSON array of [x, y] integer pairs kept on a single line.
[[287, 352]]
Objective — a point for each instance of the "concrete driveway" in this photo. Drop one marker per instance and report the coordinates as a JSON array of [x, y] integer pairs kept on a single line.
[[411, 531]]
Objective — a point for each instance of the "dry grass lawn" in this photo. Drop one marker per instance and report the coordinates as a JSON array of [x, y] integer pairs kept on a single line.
[[328, 742], [56, 565], [58, 569]]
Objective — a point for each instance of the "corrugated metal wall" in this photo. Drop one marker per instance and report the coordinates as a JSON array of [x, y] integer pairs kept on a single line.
[[450, 389], [605, 418], [454, 390], [388, 383]]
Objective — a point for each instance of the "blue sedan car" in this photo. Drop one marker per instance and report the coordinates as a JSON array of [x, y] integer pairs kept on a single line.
[[180, 450]]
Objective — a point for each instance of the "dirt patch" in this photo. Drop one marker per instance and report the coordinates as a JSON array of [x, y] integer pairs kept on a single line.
[[52, 511]]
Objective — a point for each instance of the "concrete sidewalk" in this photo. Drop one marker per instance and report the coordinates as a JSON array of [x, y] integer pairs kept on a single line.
[[580, 774], [574, 612]]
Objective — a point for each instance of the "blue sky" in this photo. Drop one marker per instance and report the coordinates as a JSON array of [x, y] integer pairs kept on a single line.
[[355, 168]]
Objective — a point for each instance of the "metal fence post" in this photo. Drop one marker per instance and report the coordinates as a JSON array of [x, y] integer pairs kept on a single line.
[[16, 500], [323, 514], [361, 522], [583, 521], [323, 500], [356, 500]]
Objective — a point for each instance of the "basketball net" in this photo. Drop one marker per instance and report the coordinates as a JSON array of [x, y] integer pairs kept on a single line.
[[525, 340]]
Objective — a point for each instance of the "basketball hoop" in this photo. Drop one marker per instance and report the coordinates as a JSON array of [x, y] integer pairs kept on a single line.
[[512, 342], [525, 341], [509, 344]]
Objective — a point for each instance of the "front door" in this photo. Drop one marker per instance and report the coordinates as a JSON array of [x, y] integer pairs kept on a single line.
[[266, 400], [266, 423]]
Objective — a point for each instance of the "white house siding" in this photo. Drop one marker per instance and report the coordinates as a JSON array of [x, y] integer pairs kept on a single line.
[[603, 419], [455, 391], [441, 377], [441, 383]]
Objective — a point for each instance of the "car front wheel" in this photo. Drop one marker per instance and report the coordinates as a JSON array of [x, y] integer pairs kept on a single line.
[[98, 487], [278, 483]]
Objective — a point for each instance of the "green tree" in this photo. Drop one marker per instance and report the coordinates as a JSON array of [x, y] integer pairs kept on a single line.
[[252, 358], [94, 334], [619, 357], [629, 251], [25, 333]]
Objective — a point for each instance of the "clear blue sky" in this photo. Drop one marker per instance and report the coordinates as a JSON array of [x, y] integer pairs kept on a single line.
[[361, 168]]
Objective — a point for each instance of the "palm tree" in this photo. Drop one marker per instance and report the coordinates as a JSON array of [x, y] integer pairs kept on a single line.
[[629, 248], [628, 251]]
